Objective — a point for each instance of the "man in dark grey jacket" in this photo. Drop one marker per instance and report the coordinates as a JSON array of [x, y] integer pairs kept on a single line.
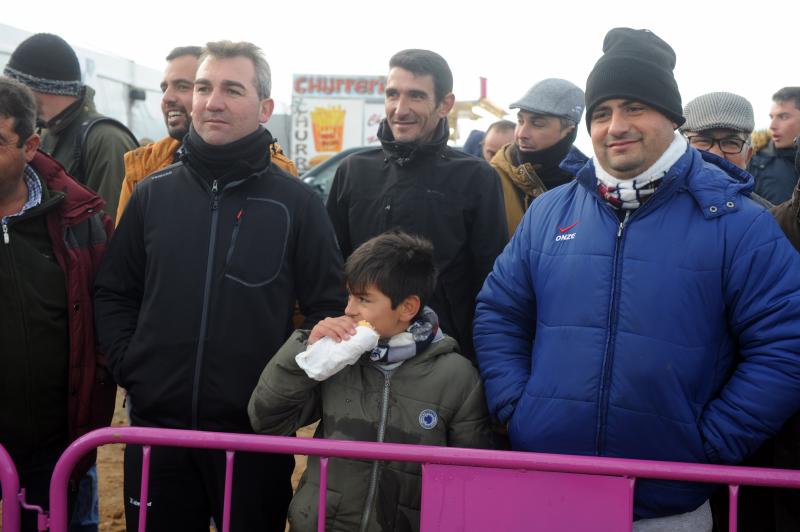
[[197, 293], [416, 183]]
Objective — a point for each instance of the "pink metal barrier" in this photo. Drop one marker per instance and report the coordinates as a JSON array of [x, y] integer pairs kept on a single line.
[[462, 489], [9, 481]]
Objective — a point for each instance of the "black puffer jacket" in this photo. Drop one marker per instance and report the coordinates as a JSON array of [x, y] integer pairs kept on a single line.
[[434, 191], [774, 172], [198, 286]]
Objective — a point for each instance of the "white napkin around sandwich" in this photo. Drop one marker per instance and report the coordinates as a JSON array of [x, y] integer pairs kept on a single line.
[[327, 357]]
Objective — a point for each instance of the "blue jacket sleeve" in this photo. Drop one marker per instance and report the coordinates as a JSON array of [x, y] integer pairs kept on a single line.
[[762, 290], [504, 327]]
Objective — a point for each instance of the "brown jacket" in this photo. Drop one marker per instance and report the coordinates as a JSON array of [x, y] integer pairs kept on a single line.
[[516, 201], [788, 216], [786, 453], [143, 161]]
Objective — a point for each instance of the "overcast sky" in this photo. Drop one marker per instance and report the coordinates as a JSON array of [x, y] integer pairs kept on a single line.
[[748, 48]]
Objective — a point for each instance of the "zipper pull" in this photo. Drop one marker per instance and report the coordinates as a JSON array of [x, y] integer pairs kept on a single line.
[[6, 238], [214, 193], [622, 224]]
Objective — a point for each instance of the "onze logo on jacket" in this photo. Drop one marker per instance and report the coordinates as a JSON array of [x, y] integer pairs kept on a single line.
[[564, 234]]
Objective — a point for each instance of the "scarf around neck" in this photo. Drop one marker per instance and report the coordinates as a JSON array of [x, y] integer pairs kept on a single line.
[[537, 169], [423, 331], [630, 194], [403, 152], [227, 162]]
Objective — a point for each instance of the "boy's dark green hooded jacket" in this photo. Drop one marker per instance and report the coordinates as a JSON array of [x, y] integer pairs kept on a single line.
[[434, 398]]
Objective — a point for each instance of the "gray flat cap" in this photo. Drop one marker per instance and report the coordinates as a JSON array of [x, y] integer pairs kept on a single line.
[[723, 110], [552, 96]]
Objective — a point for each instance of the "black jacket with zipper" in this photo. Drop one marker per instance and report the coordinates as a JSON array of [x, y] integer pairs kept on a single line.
[[447, 196], [774, 172], [34, 334], [197, 290]]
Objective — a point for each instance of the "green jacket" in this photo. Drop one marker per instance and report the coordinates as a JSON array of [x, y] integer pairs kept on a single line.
[[103, 151], [435, 398]]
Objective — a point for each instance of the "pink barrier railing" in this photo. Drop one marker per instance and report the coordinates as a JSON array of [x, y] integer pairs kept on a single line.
[[9, 481], [458, 484]]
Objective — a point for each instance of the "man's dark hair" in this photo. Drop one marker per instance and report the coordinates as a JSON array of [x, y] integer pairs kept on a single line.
[[563, 122], [502, 125], [180, 51], [396, 263], [17, 102], [788, 94], [566, 123], [423, 62]]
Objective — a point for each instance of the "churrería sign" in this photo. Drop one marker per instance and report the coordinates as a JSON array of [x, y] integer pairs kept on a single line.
[[332, 113], [339, 87]]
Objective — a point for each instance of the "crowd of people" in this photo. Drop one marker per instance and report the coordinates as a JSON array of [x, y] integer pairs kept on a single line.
[[641, 301]]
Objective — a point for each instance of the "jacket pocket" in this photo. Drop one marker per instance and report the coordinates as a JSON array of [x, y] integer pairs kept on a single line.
[[258, 242], [513, 426]]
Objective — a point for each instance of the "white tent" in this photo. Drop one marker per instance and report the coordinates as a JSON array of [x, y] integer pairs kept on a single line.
[[124, 90]]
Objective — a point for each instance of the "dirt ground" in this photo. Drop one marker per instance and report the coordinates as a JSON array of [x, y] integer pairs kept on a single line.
[[109, 471], [109, 474]]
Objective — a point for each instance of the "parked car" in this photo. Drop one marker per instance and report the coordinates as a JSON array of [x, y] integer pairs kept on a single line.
[[320, 177]]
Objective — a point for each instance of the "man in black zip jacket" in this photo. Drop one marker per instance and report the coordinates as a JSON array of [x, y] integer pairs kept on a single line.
[[416, 183], [197, 292]]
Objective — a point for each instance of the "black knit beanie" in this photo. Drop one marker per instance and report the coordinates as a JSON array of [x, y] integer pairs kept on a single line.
[[636, 65], [46, 63]]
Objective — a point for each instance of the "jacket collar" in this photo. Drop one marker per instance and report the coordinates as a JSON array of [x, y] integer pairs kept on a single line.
[[156, 153], [713, 182], [66, 117], [403, 153], [771, 151], [436, 349], [79, 202], [715, 190], [523, 176], [504, 160]]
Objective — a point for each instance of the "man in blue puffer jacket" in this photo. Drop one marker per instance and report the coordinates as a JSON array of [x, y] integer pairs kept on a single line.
[[649, 309]]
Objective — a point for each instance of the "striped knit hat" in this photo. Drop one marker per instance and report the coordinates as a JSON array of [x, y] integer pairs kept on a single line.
[[46, 63], [719, 110]]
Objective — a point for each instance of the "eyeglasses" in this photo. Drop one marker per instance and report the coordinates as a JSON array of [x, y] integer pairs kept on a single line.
[[728, 145]]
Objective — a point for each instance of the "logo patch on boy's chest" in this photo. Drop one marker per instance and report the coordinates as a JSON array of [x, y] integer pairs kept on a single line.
[[428, 419]]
